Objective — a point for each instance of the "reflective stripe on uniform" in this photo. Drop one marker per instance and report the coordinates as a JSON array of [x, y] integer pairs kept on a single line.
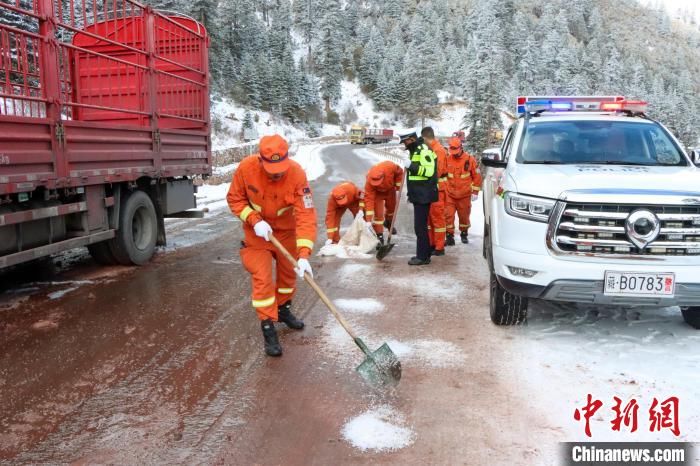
[[476, 188], [461, 225], [283, 210], [378, 222], [263, 302], [450, 175], [256, 207], [285, 290], [440, 230], [305, 243], [444, 178], [331, 230], [369, 212], [362, 205], [464, 175], [245, 213]]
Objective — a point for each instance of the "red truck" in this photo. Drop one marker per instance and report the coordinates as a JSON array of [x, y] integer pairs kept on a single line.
[[104, 122]]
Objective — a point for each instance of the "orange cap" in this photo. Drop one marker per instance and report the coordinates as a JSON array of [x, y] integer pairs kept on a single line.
[[340, 196], [455, 146], [274, 153], [377, 179]]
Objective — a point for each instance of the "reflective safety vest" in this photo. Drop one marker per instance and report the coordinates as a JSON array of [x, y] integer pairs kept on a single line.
[[422, 176], [427, 161]]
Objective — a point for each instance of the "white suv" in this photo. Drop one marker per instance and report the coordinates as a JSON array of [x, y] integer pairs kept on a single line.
[[590, 201]]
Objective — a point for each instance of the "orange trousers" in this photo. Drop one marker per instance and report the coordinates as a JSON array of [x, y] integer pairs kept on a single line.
[[463, 208], [268, 292], [437, 229], [383, 203]]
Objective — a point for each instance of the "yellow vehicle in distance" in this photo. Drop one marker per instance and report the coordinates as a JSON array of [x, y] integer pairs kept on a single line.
[[364, 135]]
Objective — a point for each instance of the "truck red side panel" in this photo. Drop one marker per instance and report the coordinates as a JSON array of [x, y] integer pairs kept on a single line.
[[120, 94]]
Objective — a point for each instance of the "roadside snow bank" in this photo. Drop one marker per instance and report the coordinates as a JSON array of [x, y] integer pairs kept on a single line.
[[212, 196], [378, 429], [309, 157]]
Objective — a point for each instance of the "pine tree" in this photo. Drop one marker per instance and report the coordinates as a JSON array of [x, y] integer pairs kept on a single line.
[[330, 53]]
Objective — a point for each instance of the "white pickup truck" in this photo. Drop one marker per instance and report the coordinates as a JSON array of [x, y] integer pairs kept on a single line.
[[590, 201]]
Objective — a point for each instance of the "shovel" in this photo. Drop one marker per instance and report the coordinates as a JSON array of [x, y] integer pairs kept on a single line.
[[384, 249], [381, 367]]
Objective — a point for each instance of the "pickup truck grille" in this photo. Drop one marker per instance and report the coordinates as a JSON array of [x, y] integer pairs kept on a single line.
[[600, 229]]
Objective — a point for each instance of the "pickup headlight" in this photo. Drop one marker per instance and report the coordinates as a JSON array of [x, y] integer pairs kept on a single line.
[[529, 208]]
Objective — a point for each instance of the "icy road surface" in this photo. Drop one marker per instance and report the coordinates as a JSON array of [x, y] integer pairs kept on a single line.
[[163, 364]]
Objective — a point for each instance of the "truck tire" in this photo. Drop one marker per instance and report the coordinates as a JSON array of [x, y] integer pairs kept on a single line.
[[691, 315], [102, 253], [505, 308], [136, 237]]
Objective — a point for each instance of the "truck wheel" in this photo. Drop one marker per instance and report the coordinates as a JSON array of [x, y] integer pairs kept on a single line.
[[691, 315], [138, 229], [102, 253], [506, 308]]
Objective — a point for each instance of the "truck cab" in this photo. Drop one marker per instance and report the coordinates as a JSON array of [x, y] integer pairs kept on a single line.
[[591, 201]]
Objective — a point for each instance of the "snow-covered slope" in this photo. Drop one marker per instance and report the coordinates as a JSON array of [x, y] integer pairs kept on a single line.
[[229, 117]]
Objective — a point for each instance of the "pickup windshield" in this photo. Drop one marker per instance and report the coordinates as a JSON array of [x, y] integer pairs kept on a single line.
[[598, 142]]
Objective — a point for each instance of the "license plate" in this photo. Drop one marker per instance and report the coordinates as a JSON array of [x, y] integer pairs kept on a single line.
[[639, 284]]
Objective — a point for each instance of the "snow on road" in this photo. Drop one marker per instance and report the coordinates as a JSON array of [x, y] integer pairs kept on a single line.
[[378, 429], [360, 306]]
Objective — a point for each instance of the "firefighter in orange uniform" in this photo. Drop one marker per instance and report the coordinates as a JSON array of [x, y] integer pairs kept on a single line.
[[463, 186], [343, 197], [270, 193], [383, 180], [437, 227]]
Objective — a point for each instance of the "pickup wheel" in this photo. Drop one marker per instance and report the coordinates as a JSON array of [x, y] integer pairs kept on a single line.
[[138, 230], [102, 253], [505, 308], [691, 315]]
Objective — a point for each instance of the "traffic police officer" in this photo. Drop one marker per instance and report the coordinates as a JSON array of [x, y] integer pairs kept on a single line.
[[422, 191]]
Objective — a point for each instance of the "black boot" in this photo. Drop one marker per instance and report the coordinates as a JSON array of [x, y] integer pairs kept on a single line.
[[380, 237], [272, 344], [438, 252], [284, 314], [416, 261], [450, 239], [463, 237]]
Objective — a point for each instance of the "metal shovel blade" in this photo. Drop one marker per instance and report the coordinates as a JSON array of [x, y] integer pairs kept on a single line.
[[381, 368], [384, 250]]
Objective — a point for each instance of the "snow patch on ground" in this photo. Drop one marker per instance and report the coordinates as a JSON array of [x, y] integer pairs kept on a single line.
[[309, 157], [607, 351], [355, 270], [212, 196], [432, 353], [61, 293], [360, 306], [225, 169], [378, 429]]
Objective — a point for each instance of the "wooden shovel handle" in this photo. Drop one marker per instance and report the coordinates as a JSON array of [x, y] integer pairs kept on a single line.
[[309, 279], [396, 210]]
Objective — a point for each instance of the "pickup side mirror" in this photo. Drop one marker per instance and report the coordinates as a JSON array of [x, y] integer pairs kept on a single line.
[[695, 155], [493, 160]]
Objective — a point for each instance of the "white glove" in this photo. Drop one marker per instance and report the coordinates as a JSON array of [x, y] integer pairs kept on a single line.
[[329, 241], [475, 197], [303, 266], [263, 230], [407, 163]]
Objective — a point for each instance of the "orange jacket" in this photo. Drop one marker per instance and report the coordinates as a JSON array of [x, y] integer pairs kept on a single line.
[[387, 176], [441, 153], [463, 176], [286, 204], [355, 200]]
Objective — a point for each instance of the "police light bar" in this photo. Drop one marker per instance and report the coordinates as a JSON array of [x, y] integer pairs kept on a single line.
[[564, 103], [635, 106]]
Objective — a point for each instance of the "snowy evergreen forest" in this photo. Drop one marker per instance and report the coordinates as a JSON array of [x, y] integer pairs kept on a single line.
[[289, 57]]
